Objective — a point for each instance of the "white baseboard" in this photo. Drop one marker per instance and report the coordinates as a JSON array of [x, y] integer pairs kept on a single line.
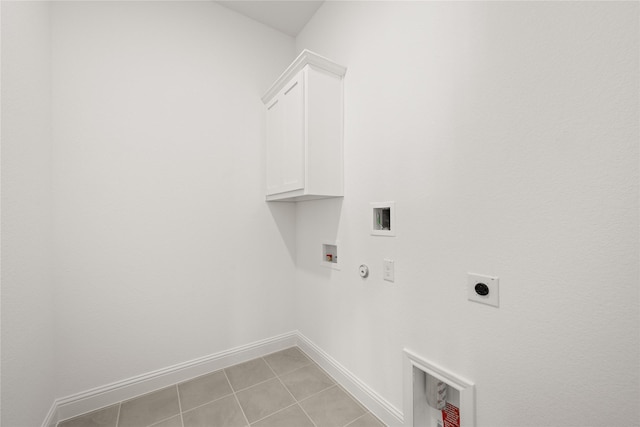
[[110, 394], [100, 397], [52, 416], [380, 407]]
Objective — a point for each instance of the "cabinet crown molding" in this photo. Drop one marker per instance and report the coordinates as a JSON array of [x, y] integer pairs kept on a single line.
[[306, 57]]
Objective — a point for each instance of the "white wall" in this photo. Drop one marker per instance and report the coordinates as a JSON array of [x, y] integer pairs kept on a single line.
[[165, 249], [28, 371], [507, 134]]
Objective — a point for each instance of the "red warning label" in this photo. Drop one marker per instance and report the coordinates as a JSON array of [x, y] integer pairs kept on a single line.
[[451, 416]]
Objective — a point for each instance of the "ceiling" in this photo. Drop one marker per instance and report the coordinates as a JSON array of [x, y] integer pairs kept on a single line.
[[286, 16]]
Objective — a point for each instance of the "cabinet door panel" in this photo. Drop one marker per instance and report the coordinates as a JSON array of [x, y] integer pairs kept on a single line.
[[274, 145], [293, 161]]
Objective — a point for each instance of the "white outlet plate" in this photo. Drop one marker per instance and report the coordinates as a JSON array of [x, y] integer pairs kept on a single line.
[[388, 270], [492, 298]]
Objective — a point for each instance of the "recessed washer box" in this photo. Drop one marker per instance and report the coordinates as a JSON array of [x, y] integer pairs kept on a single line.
[[383, 219], [460, 394], [330, 255]]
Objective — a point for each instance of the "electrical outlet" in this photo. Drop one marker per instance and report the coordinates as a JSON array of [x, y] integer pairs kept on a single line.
[[388, 270], [483, 289]]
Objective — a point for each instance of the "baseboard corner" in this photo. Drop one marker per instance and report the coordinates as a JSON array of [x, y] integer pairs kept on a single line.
[[51, 420], [379, 406], [100, 397]]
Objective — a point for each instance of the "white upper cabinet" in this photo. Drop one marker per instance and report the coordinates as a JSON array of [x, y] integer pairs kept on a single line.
[[304, 131]]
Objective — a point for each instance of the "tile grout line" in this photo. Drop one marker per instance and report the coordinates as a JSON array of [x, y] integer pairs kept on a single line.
[[155, 423], [311, 362], [179, 405], [306, 413], [267, 363], [297, 402], [317, 393], [361, 416], [356, 401], [118, 417], [335, 384], [247, 388], [234, 392], [236, 398], [162, 420], [207, 403], [279, 410]]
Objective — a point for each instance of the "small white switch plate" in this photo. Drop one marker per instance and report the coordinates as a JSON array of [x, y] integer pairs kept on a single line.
[[491, 298], [388, 270]]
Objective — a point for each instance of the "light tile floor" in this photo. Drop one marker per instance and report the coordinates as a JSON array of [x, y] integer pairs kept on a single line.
[[283, 389]]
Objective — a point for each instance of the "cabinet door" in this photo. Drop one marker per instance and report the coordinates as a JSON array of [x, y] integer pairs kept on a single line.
[[293, 139], [274, 146]]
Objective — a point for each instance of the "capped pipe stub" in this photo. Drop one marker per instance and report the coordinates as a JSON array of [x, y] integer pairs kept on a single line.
[[364, 271]]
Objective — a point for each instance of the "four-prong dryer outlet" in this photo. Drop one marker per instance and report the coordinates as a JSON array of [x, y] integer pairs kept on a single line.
[[483, 289]]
